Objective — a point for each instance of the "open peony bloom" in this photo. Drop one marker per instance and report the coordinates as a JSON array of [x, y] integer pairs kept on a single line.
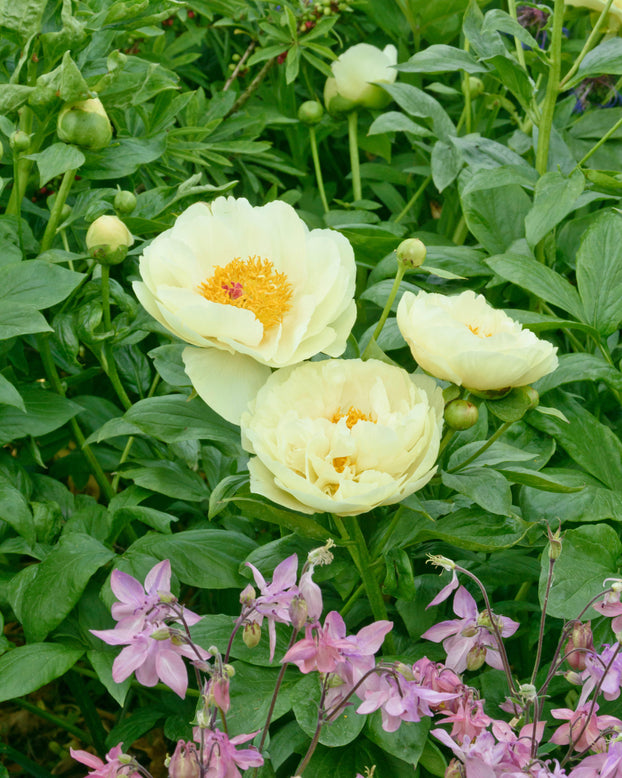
[[357, 71], [253, 288], [464, 340], [342, 436]]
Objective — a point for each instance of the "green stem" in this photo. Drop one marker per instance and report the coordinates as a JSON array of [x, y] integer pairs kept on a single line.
[[467, 94], [357, 547], [506, 425], [552, 89], [520, 54], [21, 169], [252, 87], [385, 313], [460, 232], [81, 734], [449, 433], [318, 169], [108, 362], [54, 379], [588, 46], [412, 200], [55, 215], [595, 148], [357, 192]]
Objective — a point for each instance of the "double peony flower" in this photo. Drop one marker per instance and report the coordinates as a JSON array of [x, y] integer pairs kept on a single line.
[[464, 340], [342, 436], [251, 288]]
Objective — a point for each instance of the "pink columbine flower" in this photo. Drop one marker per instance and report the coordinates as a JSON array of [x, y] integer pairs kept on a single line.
[[152, 602], [607, 764], [110, 768], [611, 605], [185, 761], [583, 732], [150, 659], [275, 598], [470, 635], [483, 757], [467, 719], [221, 757]]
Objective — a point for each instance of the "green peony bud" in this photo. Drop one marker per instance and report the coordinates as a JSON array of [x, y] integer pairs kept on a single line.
[[411, 253], [108, 240], [124, 202], [310, 112], [19, 141], [476, 86], [85, 124], [461, 414]]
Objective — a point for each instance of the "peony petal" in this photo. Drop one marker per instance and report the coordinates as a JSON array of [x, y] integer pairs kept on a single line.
[[226, 382]]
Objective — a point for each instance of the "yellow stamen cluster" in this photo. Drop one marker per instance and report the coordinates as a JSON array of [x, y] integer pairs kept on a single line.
[[476, 330], [352, 415], [252, 284]]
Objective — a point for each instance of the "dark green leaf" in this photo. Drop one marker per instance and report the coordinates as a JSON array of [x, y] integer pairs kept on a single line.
[[206, 558], [45, 411], [134, 726], [440, 58], [556, 196], [169, 478], [599, 272], [293, 522], [496, 216], [418, 103], [446, 164], [55, 585], [541, 479], [486, 487], [606, 58], [589, 555], [37, 283], [540, 280], [406, 743], [580, 367], [15, 511], [9, 394], [28, 668], [19, 319], [343, 730]]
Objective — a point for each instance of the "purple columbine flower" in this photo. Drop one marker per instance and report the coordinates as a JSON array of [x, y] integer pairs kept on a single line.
[[112, 767]]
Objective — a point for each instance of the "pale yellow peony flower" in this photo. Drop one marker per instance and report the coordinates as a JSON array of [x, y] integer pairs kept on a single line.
[[358, 70], [464, 340], [251, 288], [342, 436]]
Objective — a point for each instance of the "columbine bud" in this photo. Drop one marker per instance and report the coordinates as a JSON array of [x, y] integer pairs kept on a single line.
[[124, 202], [580, 638], [476, 657], [298, 612], [108, 240], [461, 414], [251, 634], [125, 758], [85, 124], [555, 543], [405, 671], [411, 253], [574, 678], [310, 112], [528, 692], [247, 595], [19, 141], [229, 670], [164, 633], [185, 761]]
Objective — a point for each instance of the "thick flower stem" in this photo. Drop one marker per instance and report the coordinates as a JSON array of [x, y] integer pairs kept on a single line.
[[53, 377], [108, 362], [552, 89], [55, 215], [385, 313], [318, 169], [357, 547], [357, 192]]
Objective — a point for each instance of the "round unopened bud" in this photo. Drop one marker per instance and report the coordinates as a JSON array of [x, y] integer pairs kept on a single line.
[[310, 112], [251, 634], [125, 759], [229, 670], [108, 240], [530, 395], [85, 124], [65, 211], [405, 671], [298, 612], [474, 85], [411, 252], [247, 595], [528, 692], [461, 414], [124, 202], [19, 141], [163, 633], [476, 657]]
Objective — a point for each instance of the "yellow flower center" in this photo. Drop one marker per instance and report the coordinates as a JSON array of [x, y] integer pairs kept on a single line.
[[252, 284], [352, 415], [340, 463], [476, 330]]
